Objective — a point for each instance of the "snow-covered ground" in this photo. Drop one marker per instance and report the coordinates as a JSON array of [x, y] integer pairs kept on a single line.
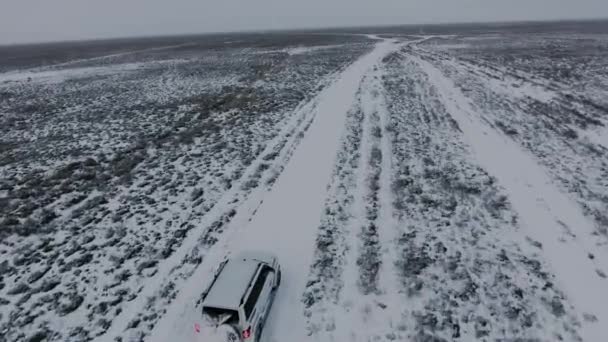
[[415, 188]]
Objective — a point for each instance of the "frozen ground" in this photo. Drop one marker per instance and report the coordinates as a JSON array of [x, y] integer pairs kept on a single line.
[[442, 186]]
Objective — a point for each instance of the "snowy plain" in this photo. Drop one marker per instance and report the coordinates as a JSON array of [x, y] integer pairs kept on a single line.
[[449, 186]]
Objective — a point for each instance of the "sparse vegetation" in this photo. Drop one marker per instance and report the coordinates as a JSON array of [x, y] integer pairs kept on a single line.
[[122, 176]]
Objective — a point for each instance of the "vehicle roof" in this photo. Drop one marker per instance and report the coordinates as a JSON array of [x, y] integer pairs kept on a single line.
[[231, 284]]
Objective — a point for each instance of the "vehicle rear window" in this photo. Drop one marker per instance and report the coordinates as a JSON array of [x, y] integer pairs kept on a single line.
[[256, 290], [217, 314]]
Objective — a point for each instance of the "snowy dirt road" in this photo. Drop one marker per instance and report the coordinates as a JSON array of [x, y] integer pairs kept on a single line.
[[286, 220]]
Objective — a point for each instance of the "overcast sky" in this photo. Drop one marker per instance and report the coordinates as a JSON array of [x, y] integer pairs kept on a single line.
[[48, 20]]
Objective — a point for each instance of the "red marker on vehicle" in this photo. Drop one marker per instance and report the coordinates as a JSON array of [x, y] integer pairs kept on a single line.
[[197, 328]]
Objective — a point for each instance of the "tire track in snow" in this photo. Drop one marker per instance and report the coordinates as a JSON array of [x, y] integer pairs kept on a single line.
[[542, 209], [369, 295], [356, 231], [347, 311], [387, 223], [326, 278], [368, 256], [346, 261]]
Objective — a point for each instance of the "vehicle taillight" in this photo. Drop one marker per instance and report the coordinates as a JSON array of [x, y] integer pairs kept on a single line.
[[247, 333]]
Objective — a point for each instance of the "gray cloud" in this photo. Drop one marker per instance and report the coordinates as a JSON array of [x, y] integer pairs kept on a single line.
[[45, 20]]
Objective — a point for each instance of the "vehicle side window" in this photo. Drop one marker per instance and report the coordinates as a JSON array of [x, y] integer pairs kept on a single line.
[[255, 291]]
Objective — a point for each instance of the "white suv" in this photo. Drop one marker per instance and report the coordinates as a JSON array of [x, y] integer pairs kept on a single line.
[[238, 300]]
